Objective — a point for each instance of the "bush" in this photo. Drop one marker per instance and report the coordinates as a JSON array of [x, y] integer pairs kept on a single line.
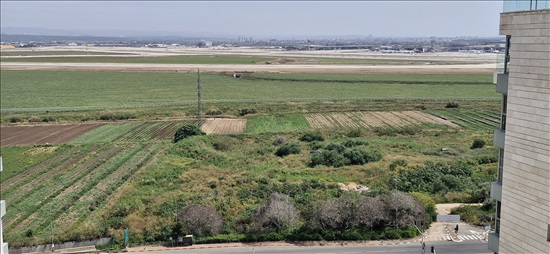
[[34, 119], [354, 133], [452, 104], [247, 111], [187, 131], [336, 155], [114, 117], [352, 143], [315, 145], [310, 137], [15, 119], [287, 149], [214, 112], [47, 119], [279, 140], [478, 143], [201, 220]]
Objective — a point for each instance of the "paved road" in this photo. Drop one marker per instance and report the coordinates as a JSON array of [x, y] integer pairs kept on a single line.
[[440, 247]]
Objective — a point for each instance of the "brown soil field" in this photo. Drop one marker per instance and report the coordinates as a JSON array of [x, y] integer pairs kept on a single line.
[[42, 134], [372, 119], [224, 126]]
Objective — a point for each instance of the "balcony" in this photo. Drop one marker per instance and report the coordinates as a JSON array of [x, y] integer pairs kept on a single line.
[[493, 242], [501, 80], [498, 139], [525, 5], [496, 191]]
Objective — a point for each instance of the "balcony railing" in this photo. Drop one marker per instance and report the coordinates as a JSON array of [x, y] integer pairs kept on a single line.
[[525, 5]]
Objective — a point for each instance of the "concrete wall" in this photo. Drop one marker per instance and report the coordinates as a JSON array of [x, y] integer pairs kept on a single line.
[[525, 213], [60, 247]]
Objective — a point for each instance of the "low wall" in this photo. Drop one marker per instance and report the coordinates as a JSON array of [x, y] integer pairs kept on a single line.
[[67, 245]]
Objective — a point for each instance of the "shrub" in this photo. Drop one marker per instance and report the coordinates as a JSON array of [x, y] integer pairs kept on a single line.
[[214, 112], [247, 111], [15, 119], [279, 140], [354, 133], [34, 119], [352, 143], [336, 155], [187, 131], [310, 137], [201, 220], [315, 145], [452, 104], [287, 149], [276, 214], [47, 119], [114, 117], [478, 143]]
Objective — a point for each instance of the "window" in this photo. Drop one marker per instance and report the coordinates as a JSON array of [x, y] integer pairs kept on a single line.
[[500, 165], [507, 53], [497, 218]]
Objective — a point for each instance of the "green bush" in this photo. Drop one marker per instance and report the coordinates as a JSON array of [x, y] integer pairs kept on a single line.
[[15, 119], [478, 143], [452, 104], [288, 149], [310, 137], [354, 133], [47, 119], [316, 145], [352, 143], [114, 117], [336, 155], [187, 131], [247, 111]]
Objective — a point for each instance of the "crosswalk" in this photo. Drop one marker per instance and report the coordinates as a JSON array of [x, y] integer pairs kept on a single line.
[[468, 237]]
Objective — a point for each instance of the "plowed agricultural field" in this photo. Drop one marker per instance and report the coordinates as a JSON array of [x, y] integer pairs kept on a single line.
[[41, 134], [372, 119], [224, 126]]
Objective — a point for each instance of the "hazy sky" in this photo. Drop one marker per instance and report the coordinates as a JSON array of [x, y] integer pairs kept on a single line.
[[262, 18]]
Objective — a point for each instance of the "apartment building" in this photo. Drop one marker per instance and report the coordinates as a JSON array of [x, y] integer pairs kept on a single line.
[[522, 189]]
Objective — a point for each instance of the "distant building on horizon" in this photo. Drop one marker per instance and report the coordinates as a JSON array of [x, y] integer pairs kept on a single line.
[[522, 189]]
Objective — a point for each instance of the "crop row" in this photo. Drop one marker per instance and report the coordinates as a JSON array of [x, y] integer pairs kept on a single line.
[[52, 185], [470, 119], [131, 132], [372, 119]]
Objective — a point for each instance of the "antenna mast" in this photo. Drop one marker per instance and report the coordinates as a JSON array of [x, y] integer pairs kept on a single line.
[[200, 100]]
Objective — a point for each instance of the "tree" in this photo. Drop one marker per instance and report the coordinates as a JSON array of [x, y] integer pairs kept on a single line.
[[277, 214], [403, 209], [201, 220], [187, 131], [370, 211], [336, 214]]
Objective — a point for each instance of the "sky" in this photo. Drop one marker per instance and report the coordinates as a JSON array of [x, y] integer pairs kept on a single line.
[[259, 19]]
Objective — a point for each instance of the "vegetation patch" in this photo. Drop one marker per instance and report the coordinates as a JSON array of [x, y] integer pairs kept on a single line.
[[285, 123]]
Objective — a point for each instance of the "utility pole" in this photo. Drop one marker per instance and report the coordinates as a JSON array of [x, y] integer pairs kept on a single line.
[[200, 100]]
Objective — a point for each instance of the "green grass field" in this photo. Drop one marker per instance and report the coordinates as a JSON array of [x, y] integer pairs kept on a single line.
[[285, 123], [81, 90]]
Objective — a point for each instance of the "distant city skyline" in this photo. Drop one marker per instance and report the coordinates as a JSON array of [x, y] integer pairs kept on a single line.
[[258, 19]]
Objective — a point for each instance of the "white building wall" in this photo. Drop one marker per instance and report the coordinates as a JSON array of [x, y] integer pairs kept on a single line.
[[525, 213]]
